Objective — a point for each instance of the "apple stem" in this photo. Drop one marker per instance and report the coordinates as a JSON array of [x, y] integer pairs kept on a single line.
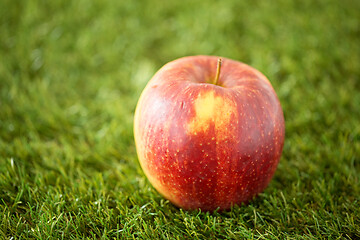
[[218, 71]]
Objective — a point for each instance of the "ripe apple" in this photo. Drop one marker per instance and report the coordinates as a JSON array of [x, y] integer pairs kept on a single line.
[[209, 133]]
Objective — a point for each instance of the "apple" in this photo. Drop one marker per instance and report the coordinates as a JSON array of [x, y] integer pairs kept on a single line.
[[209, 132]]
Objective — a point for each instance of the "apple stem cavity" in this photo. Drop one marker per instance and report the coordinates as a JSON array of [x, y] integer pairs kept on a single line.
[[218, 71]]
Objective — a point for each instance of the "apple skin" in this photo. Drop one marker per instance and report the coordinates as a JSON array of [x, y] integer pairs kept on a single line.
[[205, 146]]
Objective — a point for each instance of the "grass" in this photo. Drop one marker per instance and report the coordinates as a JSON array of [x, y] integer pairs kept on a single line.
[[70, 77]]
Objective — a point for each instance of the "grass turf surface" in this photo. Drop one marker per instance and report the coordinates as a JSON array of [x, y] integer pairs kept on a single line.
[[70, 77]]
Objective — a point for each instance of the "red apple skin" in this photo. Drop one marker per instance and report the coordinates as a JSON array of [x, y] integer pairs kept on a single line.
[[206, 146]]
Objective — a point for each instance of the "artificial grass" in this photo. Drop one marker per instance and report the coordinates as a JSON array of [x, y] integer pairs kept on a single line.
[[70, 77]]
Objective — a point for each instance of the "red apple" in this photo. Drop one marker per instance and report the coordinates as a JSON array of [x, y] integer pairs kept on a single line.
[[209, 135]]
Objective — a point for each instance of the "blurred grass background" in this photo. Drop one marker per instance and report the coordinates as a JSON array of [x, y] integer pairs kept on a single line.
[[70, 76]]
